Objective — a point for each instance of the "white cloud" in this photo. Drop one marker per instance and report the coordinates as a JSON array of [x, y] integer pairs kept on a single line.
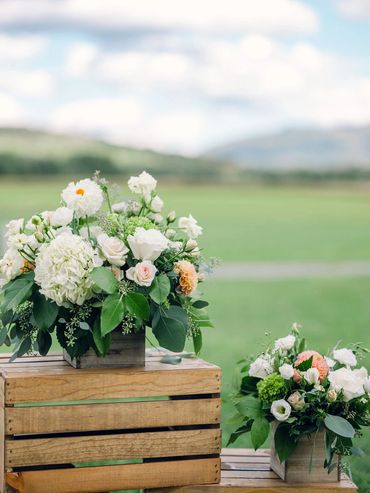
[[11, 112], [356, 9], [79, 59], [277, 16], [30, 83], [15, 48]]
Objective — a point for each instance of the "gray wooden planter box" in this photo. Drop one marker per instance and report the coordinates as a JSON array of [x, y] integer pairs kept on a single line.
[[126, 350]]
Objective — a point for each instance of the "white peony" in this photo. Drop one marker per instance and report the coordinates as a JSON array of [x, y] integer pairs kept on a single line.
[[261, 367], [85, 197], [14, 227], [286, 371], [284, 344], [61, 217], [11, 264], [281, 410], [143, 273], [113, 249], [156, 204], [312, 376], [147, 244], [143, 184], [63, 269], [190, 226], [345, 357], [347, 381]]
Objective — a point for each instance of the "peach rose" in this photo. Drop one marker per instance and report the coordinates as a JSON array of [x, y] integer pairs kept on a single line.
[[143, 273], [318, 362], [188, 277]]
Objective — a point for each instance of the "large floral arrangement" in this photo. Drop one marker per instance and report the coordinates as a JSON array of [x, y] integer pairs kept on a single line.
[[303, 392], [90, 267]]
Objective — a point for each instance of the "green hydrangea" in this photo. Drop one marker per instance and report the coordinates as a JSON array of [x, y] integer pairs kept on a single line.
[[271, 388], [137, 222]]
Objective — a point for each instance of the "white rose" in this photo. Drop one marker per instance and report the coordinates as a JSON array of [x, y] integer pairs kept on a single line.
[[296, 400], [286, 371], [14, 227], [345, 357], [61, 217], [157, 204], [190, 226], [143, 273], [261, 367], [281, 410], [85, 197], [348, 382], [143, 184], [312, 376], [113, 249], [11, 264], [147, 244], [285, 343]]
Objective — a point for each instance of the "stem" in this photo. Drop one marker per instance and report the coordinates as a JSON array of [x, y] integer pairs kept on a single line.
[[88, 229], [108, 200]]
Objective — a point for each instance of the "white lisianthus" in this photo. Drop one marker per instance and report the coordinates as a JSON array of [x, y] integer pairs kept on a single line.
[[156, 204], [190, 226], [286, 371], [61, 217], [143, 184], [11, 264], [143, 273], [312, 376], [284, 344], [63, 269], [261, 367], [296, 400], [281, 410], [147, 244], [14, 227], [113, 249], [345, 357], [85, 197], [347, 381]]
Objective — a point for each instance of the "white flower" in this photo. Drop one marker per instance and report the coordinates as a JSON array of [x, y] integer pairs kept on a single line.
[[11, 264], [286, 371], [331, 395], [261, 367], [63, 267], [281, 410], [19, 241], [171, 216], [14, 227], [61, 217], [176, 245], [147, 244], [113, 249], [312, 376], [156, 217], [361, 373], [347, 381], [345, 357], [296, 400], [95, 231], [191, 245], [84, 197], [190, 226], [120, 207], [156, 204], [367, 385], [117, 272], [284, 344], [330, 362], [143, 184], [143, 273], [170, 233]]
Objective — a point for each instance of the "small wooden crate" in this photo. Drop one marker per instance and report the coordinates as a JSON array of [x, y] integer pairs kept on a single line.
[[247, 471], [53, 421]]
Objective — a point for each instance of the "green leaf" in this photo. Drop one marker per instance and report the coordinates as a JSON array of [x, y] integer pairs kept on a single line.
[[305, 365], [137, 305], [112, 313], [200, 304], [170, 333], [24, 347], [259, 432], [171, 360], [160, 289], [249, 385], [177, 313], [45, 312], [102, 343], [339, 426], [104, 279], [200, 317], [3, 335], [239, 432], [197, 341], [44, 342], [284, 443], [17, 291], [250, 407]]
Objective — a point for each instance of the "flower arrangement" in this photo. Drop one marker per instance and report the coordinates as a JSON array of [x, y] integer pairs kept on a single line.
[[303, 393], [90, 267]]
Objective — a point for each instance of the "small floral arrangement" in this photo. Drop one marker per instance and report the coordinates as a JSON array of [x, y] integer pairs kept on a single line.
[[303, 393], [90, 267]]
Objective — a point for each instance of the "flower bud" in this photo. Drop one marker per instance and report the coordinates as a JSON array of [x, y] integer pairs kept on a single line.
[[36, 220], [39, 236], [196, 252], [170, 233], [190, 245], [171, 216], [331, 395]]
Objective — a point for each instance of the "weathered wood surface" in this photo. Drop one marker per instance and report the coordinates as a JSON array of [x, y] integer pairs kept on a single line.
[[239, 474]]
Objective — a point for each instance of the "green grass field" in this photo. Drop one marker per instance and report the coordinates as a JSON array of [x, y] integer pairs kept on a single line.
[[257, 224]]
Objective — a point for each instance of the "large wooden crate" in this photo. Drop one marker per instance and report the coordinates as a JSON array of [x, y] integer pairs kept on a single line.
[[53, 422]]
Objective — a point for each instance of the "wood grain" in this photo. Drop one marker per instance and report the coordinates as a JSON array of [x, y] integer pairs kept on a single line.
[[42, 451], [2, 435], [114, 416]]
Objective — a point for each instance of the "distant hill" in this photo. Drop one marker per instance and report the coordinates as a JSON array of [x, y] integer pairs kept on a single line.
[[313, 150]]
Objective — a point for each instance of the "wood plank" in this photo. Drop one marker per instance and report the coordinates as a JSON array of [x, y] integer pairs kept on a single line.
[[2, 435], [245, 452], [112, 478], [126, 415], [42, 451]]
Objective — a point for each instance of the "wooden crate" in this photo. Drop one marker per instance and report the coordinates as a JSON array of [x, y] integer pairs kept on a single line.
[[247, 471], [166, 416]]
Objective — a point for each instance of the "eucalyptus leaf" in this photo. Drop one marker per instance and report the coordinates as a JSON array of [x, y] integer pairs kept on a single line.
[[17, 291], [339, 426], [284, 443], [250, 407], [24, 347], [112, 313], [137, 305], [45, 312], [170, 333], [104, 279], [3, 335], [171, 360], [102, 343], [44, 342], [197, 341], [160, 289], [259, 432]]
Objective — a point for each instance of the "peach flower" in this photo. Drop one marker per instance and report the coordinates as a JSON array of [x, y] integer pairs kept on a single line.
[[318, 362], [188, 277]]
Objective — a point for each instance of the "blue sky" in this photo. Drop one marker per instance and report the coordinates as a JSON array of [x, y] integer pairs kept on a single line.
[[183, 76]]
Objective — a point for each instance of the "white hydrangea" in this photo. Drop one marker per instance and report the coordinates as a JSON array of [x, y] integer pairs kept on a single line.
[[143, 184], [11, 265], [63, 267], [85, 197], [190, 226]]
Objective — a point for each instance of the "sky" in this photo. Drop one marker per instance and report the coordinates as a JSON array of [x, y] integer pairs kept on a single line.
[[183, 76]]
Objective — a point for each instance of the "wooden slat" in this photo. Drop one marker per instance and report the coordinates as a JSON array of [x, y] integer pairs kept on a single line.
[[156, 379], [119, 416], [42, 451], [2, 435], [108, 478], [245, 452]]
